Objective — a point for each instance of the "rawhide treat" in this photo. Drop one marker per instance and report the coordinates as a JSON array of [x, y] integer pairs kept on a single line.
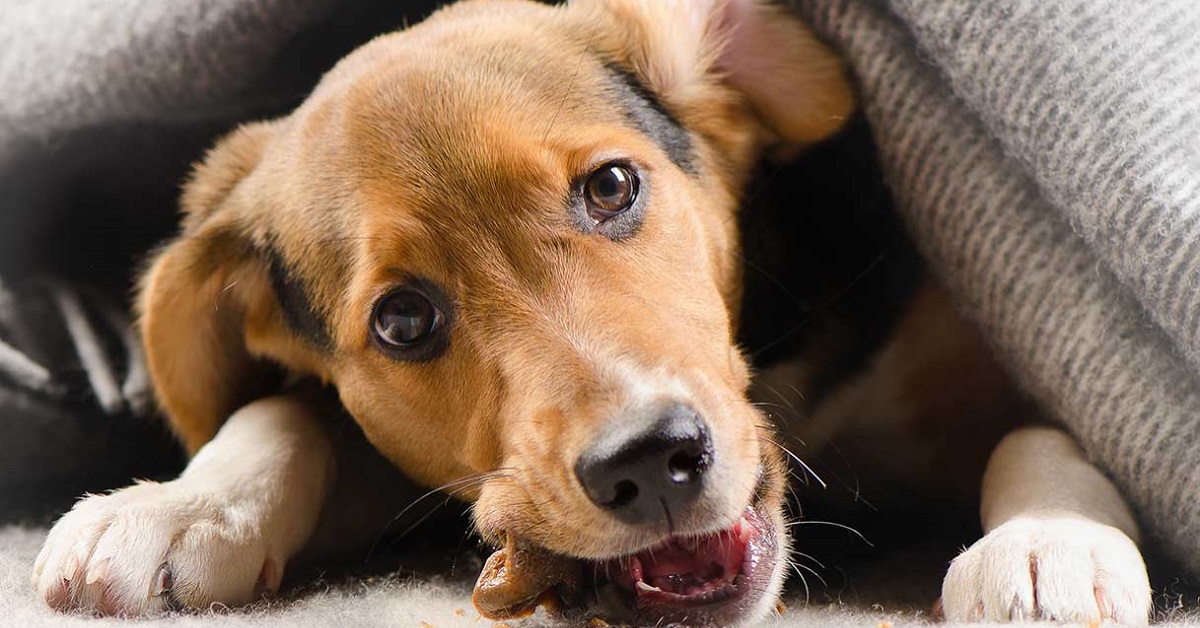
[[519, 577]]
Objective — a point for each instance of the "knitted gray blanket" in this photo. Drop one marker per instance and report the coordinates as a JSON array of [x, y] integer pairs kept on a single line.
[[1046, 156]]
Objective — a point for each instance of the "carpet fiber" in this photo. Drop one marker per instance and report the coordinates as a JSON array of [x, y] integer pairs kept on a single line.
[[876, 595]]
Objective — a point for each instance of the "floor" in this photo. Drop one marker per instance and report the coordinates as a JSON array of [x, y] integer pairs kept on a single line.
[[877, 595]]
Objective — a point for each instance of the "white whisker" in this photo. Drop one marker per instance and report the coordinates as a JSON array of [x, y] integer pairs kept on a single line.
[[830, 523]]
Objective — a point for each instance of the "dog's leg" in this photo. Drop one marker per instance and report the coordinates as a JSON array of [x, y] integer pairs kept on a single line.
[[220, 534], [1059, 543]]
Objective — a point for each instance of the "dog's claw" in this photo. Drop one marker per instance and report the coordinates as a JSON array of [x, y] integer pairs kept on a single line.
[[70, 567], [39, 565], [163, 581], [268, 579], [1103, 603], [96, 572]]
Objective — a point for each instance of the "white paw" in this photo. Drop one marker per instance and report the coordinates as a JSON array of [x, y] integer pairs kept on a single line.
[[1061, 569], [152, 547]]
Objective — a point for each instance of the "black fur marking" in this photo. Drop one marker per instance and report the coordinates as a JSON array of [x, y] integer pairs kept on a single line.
[[298, 310], [830, 270], [648, 114]]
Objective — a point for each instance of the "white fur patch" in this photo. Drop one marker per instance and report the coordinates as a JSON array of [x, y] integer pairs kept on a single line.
[[1063, 569], [131, 552], [220, 534]]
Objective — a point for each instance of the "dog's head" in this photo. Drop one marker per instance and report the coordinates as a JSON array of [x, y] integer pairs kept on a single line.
[[508, 237]]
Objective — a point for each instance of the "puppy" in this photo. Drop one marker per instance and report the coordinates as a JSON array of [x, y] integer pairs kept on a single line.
[[508, 237]]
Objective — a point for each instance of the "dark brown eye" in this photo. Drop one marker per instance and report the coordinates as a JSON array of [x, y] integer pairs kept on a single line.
[[609, 191], [405, 319]]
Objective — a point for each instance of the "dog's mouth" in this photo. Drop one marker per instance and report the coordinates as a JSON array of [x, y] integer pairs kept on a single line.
[[711, 579], [698, 571]]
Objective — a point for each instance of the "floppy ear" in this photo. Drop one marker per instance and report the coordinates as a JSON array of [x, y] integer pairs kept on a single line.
[[207, 306], [794, 83]]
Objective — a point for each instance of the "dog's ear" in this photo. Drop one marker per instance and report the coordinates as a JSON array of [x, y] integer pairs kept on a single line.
[[207, 305], [795, 84]]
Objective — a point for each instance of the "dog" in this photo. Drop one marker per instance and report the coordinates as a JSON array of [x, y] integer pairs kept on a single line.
[[508, 237]]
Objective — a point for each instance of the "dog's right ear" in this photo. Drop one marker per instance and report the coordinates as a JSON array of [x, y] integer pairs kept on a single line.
[[680, 49], [207, 293]]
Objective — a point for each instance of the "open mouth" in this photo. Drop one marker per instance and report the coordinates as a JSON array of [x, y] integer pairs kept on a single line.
[[713, 578], [718, 578]]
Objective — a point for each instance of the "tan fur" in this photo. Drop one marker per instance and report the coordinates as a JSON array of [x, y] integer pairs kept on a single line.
[[931, 405], [925, 411]]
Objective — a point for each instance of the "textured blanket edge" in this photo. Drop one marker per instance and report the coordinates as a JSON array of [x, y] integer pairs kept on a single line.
[[1077, 337]]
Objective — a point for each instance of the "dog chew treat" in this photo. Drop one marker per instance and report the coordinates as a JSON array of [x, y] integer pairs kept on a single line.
[[519, 577]]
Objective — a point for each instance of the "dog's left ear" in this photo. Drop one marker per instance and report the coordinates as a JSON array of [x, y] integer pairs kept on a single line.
[[682, 49], [212, 318]]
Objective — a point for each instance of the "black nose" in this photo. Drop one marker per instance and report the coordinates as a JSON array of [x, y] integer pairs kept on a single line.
[[646, 477]]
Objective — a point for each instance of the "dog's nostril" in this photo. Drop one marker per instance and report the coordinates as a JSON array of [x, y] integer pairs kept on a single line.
[[624, 493], [686, 467]]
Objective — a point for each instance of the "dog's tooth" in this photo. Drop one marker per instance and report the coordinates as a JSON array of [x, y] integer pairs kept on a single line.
[[97, 572], [643, 586]]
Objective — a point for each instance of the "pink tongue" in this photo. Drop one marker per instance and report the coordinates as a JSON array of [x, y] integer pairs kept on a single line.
[[700, 568], [683, 566]]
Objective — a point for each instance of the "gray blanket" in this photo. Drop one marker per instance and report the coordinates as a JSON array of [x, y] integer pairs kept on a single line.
[[1046, 156]]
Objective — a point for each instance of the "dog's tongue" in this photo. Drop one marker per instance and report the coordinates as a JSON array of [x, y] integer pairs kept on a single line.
[[692, 566], [519, 577]]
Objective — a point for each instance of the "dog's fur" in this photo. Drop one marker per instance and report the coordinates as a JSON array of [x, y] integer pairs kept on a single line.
[[449, 156]]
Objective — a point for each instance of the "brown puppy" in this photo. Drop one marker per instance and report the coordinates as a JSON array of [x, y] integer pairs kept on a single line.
[[508, 237]]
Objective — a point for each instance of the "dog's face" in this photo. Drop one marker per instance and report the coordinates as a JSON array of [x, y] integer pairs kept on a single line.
[[508, 236]]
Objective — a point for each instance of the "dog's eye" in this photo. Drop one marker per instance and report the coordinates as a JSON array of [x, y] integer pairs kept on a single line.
[[406, 318], [610, 190]]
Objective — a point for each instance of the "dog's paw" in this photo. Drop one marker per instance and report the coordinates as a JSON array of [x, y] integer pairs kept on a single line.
[[152, 547], [1062, 569]]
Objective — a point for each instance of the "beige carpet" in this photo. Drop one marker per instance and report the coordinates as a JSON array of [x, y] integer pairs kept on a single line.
[[411, 600]]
